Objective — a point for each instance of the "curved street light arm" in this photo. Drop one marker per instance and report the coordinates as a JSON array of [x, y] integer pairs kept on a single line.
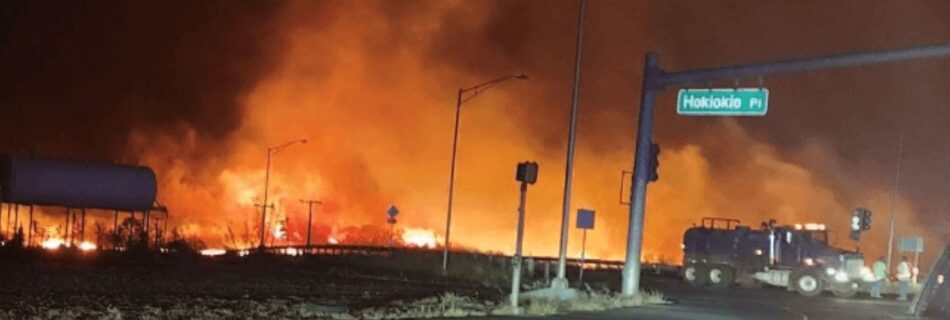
[[479, 88], [275, 149]]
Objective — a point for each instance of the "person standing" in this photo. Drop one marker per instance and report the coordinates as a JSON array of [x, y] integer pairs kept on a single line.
[[879, 269], [903, 278]]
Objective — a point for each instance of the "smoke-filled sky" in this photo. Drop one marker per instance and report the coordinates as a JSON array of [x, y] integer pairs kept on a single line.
[[198, 91]]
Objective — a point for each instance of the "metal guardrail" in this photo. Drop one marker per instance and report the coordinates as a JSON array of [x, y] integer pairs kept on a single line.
[[366, 250]]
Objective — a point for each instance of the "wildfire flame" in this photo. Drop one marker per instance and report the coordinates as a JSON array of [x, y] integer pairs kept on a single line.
[[56, 243], [213, 252], [279, 231], [53, 243], [86, 246], [422, 238]]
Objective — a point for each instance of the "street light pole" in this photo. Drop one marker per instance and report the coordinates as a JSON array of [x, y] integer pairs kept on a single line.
[[897, 179], [561, 281], [270, 152], [475, 90], [448, 217]]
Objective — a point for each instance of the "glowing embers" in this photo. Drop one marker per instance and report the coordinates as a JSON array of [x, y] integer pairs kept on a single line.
[[213, 252]]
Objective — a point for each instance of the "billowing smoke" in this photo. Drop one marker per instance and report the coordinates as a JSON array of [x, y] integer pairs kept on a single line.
[[199, 94], [79, 78]]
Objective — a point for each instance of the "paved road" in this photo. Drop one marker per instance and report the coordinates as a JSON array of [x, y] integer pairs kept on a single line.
[[742, 303]]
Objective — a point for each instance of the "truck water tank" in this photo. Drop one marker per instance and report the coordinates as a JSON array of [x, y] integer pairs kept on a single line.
[[30, 180]]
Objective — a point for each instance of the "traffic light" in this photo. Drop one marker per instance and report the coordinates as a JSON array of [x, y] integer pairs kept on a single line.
[[856, 221], [654, 161], [865, 219], [861, 220], [527, 172]]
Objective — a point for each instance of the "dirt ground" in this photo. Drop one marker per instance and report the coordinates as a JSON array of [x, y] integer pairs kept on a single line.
[[73, 285]]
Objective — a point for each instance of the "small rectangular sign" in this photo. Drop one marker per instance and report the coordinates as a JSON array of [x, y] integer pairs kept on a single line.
[[910, 244], [585, 219], [723, 102]]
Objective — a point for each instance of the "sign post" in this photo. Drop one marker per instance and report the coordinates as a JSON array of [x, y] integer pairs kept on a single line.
[[392, 212], [915, 245], [585, 221]]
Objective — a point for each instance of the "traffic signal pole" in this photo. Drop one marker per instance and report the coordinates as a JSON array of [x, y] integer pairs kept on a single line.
[[631, 267], [655, 80]]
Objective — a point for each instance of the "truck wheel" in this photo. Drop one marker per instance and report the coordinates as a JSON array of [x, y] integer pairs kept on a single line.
[[808, 282], [845, 290], [696, 274], [721, 276]]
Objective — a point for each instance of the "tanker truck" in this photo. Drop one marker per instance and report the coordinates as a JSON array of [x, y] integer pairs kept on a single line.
[[722, 252]]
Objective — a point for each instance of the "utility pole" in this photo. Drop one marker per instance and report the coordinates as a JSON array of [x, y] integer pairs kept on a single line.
[[30, 237], [16, 218], [115, 223], [265, 204], [82, 226], [66, 234], [164, 225], [9, 219], [897, 178], [561, 281], [310, 204]]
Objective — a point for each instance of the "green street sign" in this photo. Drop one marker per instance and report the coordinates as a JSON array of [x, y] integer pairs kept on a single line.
[[723, 102]]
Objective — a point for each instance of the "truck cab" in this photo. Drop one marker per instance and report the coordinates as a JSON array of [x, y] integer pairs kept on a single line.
[[719, 252]]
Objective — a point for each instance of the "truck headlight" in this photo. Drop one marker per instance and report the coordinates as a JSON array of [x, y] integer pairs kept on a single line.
[[830, 271], [809, 261], [867, 275], [841, 276]]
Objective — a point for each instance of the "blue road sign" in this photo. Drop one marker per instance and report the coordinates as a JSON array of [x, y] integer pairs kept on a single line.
[[392, 212], [585, 219]]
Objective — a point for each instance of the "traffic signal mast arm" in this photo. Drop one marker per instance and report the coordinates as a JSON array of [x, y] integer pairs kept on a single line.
[[704, 76]]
